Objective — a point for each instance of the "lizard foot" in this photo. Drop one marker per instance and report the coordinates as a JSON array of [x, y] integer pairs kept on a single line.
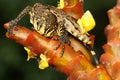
[[11, 26], [62, 40]]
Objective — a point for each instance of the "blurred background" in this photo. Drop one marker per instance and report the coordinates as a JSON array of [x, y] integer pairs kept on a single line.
[[13, 64]]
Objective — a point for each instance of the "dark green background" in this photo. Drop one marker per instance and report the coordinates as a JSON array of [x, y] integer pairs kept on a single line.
[[13, 64]]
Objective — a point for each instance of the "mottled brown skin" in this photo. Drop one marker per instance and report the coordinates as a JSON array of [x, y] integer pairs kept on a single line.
[[50, 21], [44, 22]]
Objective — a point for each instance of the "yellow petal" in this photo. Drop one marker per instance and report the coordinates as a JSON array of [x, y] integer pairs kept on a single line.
[[81, 28], [30, 54], [61, 4], [43, 63], [88, 21], [28, 50]]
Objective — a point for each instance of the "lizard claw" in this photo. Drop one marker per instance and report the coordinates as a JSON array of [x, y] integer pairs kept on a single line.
[[11, 26]]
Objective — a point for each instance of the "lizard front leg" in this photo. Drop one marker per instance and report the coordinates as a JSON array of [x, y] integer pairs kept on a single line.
[[62, 40], [19, 17]]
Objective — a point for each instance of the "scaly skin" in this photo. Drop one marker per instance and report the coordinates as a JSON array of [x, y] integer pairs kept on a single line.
[[50, 21]]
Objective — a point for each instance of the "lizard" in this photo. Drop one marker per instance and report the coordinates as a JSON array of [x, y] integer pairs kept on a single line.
[[50, 21]]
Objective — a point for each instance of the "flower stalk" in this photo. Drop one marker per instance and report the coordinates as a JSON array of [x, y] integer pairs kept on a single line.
[[72, 63]]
